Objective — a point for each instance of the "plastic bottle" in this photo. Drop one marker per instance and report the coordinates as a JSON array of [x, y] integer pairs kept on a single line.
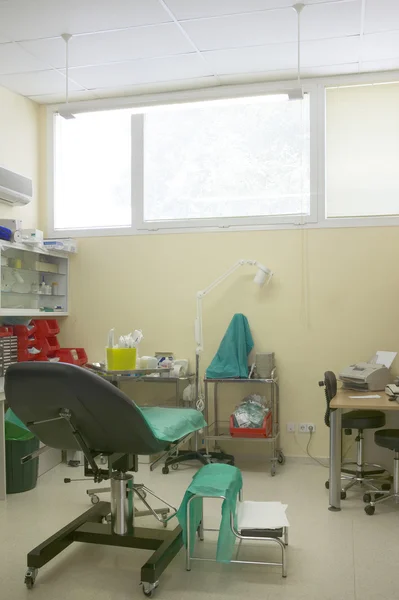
[[43, 287]]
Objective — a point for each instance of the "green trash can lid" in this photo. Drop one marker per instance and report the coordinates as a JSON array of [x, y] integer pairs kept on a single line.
[[15, 429]]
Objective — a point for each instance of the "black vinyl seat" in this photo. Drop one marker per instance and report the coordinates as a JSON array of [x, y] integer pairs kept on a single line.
[[363, 419], [386, 438], [356, 419]]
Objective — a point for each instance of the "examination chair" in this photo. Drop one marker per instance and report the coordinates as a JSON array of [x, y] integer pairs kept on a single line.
[[361, 475], [70, 408]]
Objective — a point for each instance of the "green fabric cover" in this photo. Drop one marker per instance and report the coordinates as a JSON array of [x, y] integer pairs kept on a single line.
[[213, 480], [231, 360], [15, 429], [171, 424]]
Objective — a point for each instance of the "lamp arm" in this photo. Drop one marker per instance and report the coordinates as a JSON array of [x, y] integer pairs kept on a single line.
[[198, 321]]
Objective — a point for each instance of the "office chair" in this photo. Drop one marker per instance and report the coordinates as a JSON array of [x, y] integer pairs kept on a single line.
[[70, 408], [386, 438], [362, 475]]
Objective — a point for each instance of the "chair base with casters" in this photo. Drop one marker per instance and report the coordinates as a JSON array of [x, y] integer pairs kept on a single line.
[[364, 475], [386, 438], [67, 407]]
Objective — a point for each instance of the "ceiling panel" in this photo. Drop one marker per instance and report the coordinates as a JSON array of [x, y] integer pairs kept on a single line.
[[113, 46], [328, 70], [330, 52], [14, 59], [141, 71], [194, 9], [255, 58], [381, 15], [380, 65], [331, 20], [74, 96], [32, 19], [380, 46], [40, 82], [243, 30]]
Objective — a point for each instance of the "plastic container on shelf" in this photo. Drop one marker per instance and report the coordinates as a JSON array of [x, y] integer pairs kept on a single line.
[[121, 359], [27, 342], [6, 331], [25, 356], [25, 330], [46, 327], [253, 432], [72, 356]]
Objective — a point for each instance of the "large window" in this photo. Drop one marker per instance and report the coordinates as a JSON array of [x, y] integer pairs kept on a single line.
[[362, 151], [217, 163]]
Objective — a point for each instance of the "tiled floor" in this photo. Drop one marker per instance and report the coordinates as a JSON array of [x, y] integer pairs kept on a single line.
[[332, 556]]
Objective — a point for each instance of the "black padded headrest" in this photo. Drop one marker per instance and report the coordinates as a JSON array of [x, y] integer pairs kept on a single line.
[[107, 419]]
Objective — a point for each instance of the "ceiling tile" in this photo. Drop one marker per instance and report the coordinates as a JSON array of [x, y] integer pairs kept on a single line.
[[330, 52], [32, 19], [255, 58], [377, 46], [141, 71], [243, 30], [329, 70], [284, 56], [14, 59], [331, 20], [194, 9], [158, 87], [381, 15], [74, 96], [41, 82], [388, 64], [3, 38], [112, 46]]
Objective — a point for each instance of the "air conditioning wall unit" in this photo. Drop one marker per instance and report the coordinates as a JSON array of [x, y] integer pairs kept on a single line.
[[15, 190]]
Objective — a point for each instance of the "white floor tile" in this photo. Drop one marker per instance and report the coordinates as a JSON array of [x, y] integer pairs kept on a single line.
[[345, 556]]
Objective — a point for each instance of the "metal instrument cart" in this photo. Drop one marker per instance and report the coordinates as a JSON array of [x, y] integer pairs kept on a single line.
[[219, 432]]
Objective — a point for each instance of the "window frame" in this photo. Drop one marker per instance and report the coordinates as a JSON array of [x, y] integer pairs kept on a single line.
[[317, 219]]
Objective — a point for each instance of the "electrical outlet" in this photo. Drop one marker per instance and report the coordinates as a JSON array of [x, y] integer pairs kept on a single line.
[[306, 427], [291, 427]]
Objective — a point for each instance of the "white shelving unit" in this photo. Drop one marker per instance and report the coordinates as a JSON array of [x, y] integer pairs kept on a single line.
[[33, 265]]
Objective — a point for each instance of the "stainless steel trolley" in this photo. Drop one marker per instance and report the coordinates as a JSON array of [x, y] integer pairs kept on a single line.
[[218, 431]]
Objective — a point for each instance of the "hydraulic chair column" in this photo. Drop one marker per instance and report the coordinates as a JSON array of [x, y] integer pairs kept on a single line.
[[121, 506]]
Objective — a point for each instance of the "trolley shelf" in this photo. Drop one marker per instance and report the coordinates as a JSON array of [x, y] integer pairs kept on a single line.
[[225, 436]]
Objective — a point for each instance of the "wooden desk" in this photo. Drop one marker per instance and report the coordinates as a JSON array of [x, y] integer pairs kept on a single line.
[[341, 402]]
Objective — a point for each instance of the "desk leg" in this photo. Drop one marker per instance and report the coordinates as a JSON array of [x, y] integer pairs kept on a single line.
[[2, 455], [335, 459]]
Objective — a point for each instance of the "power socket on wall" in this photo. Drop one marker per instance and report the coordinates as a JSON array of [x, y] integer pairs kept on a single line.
[[307, 428]]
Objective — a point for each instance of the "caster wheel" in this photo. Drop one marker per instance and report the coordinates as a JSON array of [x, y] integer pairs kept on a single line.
[[327, 485], [273, 471], [149, 589], [165, 471], [367, 498], [175, 466], [94, 499], [386, 487], [30, 578], [343, 495], [281, 458], [369, 510]]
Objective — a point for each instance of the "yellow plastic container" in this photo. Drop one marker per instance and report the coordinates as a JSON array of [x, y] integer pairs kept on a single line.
[[121, 359]]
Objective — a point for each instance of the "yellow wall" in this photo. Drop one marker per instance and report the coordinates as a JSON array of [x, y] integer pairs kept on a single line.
[[150, 282], [19, 150]]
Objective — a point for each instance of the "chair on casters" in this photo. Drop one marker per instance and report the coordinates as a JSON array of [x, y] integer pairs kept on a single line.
[[386, 438], [70, 408], [362, 475]]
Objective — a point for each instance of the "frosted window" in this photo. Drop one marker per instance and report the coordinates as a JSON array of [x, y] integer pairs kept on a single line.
[[92, 171], [227, 159], [362, 151]]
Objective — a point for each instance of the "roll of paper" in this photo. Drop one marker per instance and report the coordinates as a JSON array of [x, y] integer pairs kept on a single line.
[[183, 362], [177, 371], [17, 237]]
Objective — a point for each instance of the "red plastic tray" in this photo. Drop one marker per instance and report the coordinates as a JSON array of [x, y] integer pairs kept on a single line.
[[46, 327], [25, 331], [27, 342], [24, 356], [252, 432], [73, 356]]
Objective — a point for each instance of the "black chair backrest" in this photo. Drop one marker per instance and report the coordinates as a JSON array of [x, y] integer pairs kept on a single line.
[[107, 419], [330, 390]]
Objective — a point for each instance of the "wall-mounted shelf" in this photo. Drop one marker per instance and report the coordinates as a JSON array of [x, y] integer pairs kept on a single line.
[[24, 265]]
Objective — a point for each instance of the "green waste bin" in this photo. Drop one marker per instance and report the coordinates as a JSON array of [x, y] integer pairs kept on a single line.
[[19, 442]]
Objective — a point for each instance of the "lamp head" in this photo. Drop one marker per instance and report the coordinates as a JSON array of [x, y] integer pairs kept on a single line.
[[263, 275]]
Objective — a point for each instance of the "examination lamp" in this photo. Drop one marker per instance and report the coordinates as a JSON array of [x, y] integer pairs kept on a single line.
[[263, 275]]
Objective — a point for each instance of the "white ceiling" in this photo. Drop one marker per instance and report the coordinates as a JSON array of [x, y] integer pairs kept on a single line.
[[122, 47]]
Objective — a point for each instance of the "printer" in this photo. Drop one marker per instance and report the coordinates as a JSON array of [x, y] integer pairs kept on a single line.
[[365, 376]]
